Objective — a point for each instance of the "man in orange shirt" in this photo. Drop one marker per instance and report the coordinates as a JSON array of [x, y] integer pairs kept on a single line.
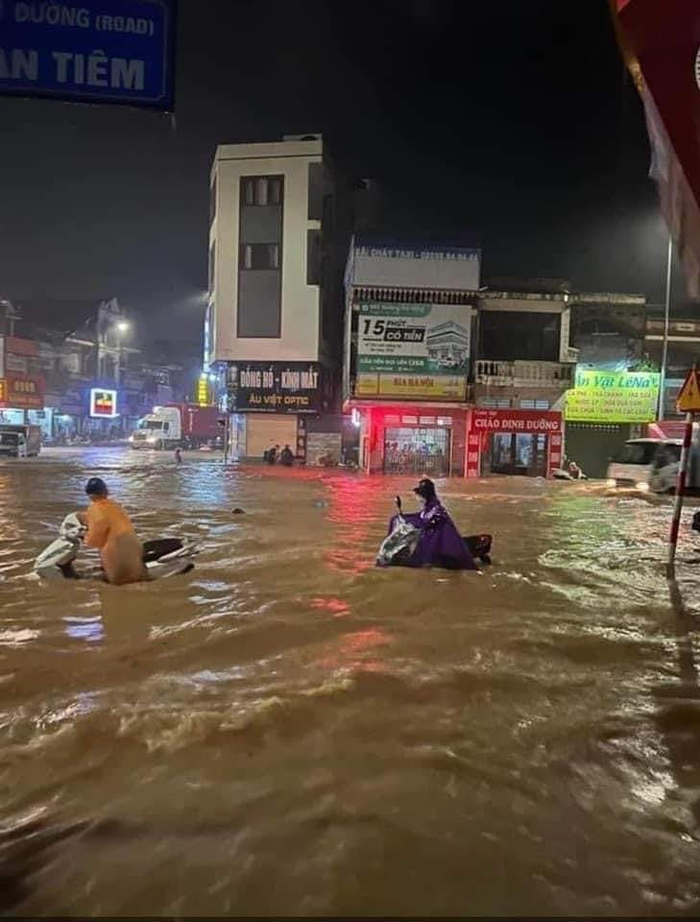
[[109, 529]]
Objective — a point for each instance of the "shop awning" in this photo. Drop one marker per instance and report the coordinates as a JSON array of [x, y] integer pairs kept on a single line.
[[661, 46]]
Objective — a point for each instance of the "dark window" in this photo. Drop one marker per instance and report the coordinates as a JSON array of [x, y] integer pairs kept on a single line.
[[262, 190], [259, 304], [316, 185], [212, 266], [260, 256], [511, 335], [636, 453], [313, 257]]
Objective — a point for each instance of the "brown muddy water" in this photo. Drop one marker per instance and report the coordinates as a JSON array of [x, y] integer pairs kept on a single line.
[[288, 730]]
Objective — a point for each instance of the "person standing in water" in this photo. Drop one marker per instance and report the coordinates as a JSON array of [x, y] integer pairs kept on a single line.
[[109, 529], [178, 456]]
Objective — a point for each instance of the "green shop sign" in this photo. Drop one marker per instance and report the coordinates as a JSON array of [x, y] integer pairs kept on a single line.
[[613, 397]]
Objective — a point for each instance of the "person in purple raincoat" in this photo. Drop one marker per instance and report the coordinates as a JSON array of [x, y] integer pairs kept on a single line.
[[440, 544]]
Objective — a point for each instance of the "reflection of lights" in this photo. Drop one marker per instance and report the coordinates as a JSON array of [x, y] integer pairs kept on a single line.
[[89, 629], [353, 651], [336, 607], [355, 416]]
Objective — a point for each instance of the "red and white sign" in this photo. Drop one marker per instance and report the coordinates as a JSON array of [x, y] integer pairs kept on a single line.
[[533, 421], [528, 422]]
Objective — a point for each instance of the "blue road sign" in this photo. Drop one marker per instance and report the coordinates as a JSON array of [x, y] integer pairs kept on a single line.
[[99, 51]]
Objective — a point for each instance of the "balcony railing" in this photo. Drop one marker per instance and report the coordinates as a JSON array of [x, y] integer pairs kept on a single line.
[[524, 374]]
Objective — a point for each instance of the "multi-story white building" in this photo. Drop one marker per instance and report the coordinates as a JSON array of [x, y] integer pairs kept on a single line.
[[280, 220]]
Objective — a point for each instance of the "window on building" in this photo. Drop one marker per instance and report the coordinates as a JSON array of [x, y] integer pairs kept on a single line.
[[530, 404], [513, 335], [260, 256], [262, 190], [316, 190], [494, 403], [313, 257], [212, 266]]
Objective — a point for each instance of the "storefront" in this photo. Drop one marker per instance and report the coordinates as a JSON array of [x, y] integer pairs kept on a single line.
[[603, 410], [22, 402], [423, 441], [523, 442], [270, 403]]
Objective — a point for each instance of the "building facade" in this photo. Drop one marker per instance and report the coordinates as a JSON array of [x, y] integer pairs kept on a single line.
[[523, 369], [281, 215], [71, 368], [615, 387], [408, 352], [448, 377]]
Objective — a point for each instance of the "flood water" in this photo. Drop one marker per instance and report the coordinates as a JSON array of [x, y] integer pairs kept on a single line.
[[288, 730]]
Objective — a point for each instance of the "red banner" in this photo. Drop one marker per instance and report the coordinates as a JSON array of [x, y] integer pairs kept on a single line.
[[661, 43], [21, 393], [535, 422]]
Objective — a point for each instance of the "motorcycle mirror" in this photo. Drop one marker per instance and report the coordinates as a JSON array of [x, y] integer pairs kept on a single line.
[[398, 503]]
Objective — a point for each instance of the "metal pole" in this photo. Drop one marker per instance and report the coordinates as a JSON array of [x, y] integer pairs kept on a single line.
[[680, 490], [667, 311]]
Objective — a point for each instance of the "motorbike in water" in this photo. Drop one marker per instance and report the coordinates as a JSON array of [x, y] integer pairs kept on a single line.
[[397, 549], [162, 558]]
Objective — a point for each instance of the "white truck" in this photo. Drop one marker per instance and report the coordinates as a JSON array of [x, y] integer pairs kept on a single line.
[[652, 465], [177, 425], [20, 441]]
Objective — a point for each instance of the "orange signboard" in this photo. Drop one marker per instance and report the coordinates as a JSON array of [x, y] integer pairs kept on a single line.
[[22, 393]]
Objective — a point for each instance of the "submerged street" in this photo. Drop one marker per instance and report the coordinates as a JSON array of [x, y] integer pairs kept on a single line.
[[288, 730]]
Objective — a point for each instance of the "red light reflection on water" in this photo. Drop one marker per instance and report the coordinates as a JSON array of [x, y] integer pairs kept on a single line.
[[352, 652], [352, 508], [337, 607]]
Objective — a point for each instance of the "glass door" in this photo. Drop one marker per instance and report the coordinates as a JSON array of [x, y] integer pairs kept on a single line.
[[423, 452]]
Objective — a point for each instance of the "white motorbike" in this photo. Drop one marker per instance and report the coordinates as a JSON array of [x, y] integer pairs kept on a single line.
[[162, 557]]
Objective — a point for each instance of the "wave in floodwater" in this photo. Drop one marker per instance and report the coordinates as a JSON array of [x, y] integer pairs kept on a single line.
[[288, 730]]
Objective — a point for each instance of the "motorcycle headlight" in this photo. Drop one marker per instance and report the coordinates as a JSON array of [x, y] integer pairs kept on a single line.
[[643, 486], [611, 482]]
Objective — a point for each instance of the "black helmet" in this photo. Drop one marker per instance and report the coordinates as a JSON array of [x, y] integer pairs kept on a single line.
[[96, 487], [426, 489]]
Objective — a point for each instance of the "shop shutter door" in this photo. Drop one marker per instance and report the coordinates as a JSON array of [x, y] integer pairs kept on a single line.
[[264, 431]]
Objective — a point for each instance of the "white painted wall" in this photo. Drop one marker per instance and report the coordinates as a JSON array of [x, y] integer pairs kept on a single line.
[[300, 302]]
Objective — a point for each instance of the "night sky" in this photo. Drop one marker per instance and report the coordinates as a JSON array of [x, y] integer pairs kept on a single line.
[[513, 124]]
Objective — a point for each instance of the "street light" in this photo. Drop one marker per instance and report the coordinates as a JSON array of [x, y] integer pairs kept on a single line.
[[121, 327]]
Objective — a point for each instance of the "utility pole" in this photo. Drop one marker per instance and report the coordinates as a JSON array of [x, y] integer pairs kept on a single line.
[[667, 313]]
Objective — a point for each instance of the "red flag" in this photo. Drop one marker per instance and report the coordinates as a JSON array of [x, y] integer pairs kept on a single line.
[[661, 44]]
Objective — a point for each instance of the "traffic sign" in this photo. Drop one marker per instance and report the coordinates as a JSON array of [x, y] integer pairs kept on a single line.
[[688, 400]]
